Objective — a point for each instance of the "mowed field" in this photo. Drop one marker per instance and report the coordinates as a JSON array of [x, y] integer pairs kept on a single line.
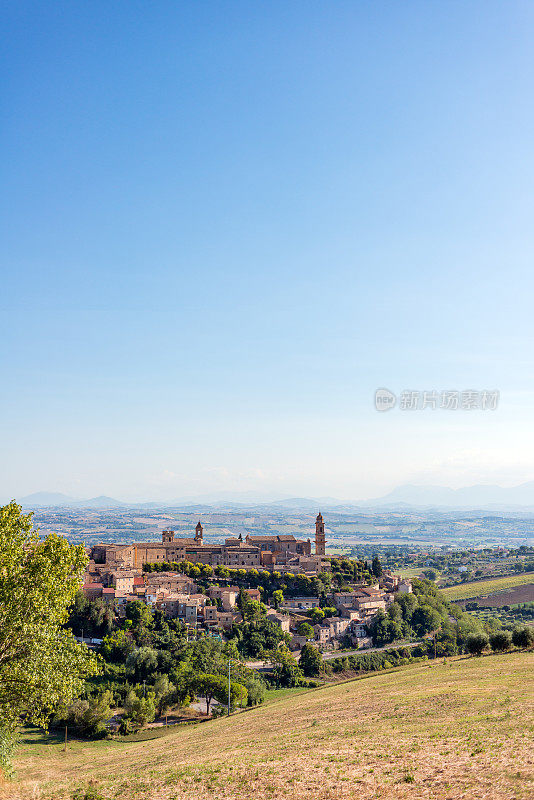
[[409, 572], [463, 729], [490, 586]]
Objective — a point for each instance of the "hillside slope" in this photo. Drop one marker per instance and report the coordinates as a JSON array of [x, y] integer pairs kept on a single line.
[[457, 730], [464, 591]]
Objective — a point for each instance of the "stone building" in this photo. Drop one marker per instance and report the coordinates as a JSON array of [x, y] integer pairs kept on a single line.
[[178, 549], [268, 552]]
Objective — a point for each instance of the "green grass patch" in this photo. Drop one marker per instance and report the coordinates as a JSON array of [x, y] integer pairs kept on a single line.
[[272, 695], [410, 572]]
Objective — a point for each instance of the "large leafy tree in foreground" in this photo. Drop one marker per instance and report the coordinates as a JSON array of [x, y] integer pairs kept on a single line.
[[41, 664]]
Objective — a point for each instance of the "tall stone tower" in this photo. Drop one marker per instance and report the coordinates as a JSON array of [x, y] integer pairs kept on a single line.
[[199, 533], [320, 540], [167, 537]]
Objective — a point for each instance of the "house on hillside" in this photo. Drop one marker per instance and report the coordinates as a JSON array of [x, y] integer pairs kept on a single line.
[[301, 602], [280, 619]]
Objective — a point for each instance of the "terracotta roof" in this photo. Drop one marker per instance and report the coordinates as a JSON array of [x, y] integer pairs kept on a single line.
[[274, 538]]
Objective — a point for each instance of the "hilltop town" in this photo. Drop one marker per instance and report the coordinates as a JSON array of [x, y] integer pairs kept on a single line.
[[180, 641], [192, 582]]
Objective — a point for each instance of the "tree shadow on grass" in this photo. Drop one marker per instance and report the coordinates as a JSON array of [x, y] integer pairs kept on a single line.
[[39, 736]]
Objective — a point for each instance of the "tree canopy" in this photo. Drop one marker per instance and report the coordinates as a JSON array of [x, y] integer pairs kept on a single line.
[[42, 666], [310, 660]]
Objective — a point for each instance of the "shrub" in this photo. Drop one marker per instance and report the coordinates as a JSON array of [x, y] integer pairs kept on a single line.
[[127, 726], [89, 717], [476, 643], [523, 636], [501, 641]]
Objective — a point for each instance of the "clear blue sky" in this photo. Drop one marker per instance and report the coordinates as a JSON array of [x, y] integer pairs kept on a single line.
[[224, 224]]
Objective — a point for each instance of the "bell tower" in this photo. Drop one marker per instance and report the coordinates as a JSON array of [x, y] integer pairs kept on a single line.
[[167, 537], [320, 540], [199, 533]]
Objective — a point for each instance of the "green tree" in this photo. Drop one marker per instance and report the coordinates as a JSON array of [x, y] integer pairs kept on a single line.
[[445, 641], [89, 716], [310, 660], [42, 666], [286, 671], [330, 611], [408, 603], [255, 691], [165, 694], [316, 615], [117, 646], [425, 619], [305, 629], [278, 598], [523, 636], [215, 687], [500, 641], [142, 663], [252, 610], [384, 630], [376, 567], [138, 613], [91, 617], [476, 643], [254, 639], [209, 687], [141, 706], [238, 695]]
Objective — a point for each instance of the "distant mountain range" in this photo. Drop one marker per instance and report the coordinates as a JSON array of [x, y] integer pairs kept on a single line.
[[58, 500], [408, 495], [50, 499], [481, 495]]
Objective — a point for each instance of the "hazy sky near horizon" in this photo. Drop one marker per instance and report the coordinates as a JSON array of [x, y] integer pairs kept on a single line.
[[225, 224]]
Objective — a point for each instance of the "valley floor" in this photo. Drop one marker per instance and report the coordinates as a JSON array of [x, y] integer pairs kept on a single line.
[[431, 731]]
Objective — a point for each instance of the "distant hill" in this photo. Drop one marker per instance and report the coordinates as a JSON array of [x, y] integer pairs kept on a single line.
[[255, 499], [41, 499], [478, 496], [101, 502], [56, 499], [481, 496], [307, 503]]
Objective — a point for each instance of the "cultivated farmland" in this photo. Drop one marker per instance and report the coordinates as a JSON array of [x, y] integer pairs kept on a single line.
[[474, 589]]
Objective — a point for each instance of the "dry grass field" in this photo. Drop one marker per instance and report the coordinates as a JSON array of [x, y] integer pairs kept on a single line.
[[430, 731], [475, 589]]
